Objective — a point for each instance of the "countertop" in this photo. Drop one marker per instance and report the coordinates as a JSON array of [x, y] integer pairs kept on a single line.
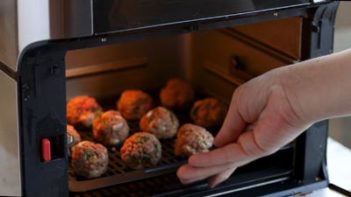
[[339, 164], [339, 169]]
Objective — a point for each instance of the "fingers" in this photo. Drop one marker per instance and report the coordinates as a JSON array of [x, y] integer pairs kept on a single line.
[[219, 178], [222, 162], [269, 134], [232, 126], [249, 146], [247, 103], [191, 180], [188, 174], [228, 154]]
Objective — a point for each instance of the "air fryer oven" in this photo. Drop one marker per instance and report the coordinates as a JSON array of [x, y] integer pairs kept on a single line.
[[101, 48]]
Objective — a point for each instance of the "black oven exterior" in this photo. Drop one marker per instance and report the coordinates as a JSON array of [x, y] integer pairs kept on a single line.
[[42, 88]]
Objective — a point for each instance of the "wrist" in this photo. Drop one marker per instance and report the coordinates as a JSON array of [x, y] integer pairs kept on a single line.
[[291, 82], [319, 88]]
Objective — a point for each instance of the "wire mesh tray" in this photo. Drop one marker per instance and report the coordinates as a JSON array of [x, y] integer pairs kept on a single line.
[[118, 172]]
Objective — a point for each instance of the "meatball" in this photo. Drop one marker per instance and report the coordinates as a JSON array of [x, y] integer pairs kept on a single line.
[[73, 137], [89, 159], [133, 104], [161, 122], [110, 128], [208, 112], [177, 94], [82, 110], [141, 150], [192, 139]]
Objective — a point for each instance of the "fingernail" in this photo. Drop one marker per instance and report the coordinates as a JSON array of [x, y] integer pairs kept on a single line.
[[212, 186], [193, 160], [185, 182]]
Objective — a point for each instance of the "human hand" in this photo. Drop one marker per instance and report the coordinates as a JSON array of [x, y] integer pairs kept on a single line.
[[260, 120]]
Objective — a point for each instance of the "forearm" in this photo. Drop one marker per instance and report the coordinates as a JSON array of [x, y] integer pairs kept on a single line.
[[320, 88]]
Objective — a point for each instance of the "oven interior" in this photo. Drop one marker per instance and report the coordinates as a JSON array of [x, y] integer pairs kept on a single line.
[[215, 63]]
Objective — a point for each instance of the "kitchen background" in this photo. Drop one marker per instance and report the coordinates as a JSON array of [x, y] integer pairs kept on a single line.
[[340, 128]]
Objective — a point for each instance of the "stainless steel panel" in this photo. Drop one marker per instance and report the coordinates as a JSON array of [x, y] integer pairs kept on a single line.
[[56, 19], [10, 182], [70, 18]]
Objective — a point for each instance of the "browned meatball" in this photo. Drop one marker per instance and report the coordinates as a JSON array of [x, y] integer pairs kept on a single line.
[[73, 137], [110, 128], [192, 139], [177, 94], [141, 150], [82, 110], [161, 122], [89, 159], [208, 112], [133, 104]]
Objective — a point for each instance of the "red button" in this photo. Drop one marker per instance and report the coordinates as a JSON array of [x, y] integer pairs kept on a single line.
[[46, 149]]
